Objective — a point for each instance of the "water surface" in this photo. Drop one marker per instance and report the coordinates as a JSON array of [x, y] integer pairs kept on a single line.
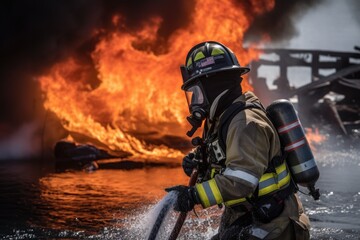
[[37, 202]]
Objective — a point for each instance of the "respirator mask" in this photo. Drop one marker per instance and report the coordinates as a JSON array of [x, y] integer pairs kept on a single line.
[[198, 106]]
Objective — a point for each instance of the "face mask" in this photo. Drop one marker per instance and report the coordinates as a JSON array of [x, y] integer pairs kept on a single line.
[[198, 106]]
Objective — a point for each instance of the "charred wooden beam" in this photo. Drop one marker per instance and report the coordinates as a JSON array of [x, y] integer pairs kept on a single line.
[[324, 81]]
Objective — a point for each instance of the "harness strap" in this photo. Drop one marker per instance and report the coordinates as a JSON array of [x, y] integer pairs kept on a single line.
[[268, 182], [228, 115]]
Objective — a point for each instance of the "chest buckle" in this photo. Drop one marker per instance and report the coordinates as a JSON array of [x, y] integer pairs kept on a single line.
[[218, 153]]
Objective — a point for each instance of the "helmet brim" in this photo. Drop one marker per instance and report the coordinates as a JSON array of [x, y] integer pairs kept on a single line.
[[240, 70]]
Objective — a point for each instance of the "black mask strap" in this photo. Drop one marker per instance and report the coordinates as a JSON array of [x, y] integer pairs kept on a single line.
[[227, 99]]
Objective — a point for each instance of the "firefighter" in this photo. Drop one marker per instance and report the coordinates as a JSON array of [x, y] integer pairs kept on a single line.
[[244, 170]]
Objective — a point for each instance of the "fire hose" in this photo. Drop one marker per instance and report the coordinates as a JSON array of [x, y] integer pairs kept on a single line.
[[181, 218], [165, 209], [160, 218], [200, 155]]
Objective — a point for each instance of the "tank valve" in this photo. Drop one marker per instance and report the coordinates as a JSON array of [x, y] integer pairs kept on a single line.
[[314, 192]]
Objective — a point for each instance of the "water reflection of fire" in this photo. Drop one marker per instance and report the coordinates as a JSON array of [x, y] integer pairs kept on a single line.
[[139, 90]]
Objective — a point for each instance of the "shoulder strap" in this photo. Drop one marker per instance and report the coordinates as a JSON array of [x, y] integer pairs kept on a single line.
[[228, 115]]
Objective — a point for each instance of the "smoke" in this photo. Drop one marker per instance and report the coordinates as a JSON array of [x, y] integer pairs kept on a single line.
[[23, 143], [36, 34], [280, 23]]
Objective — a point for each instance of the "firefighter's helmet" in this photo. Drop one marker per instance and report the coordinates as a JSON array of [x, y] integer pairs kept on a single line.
[[208, 58]]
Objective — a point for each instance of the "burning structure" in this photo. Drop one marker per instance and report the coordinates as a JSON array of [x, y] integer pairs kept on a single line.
[[136, 99], [106, 73], [326, 85]]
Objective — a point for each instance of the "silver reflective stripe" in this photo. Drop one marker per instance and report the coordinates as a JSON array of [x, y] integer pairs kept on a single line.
[[288, 127], [266, 183], [282, 175], [209, 193], [259, 232], [242, 175], [304, 166], [295, 145]]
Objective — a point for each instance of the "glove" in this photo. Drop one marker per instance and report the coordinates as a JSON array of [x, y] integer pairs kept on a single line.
[[189, 164], [186, 198]]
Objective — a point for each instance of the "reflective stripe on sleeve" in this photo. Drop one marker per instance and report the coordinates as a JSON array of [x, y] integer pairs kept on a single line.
[[234, 202], [242, 175], [209, 193], [269, 183]]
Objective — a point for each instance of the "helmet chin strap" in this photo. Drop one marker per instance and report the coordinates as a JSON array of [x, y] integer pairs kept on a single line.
[[195, 119]]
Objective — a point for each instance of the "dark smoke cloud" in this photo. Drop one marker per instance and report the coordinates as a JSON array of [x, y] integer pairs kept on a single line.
[[35, 34], [280, 23]]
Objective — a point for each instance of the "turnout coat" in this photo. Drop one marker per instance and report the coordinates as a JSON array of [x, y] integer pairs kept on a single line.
[[251, 144]]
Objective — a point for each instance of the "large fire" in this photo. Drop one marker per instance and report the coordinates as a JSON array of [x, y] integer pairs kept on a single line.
[[139, 92]]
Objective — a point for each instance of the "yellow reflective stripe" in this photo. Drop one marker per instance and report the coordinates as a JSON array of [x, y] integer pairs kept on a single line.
[[285, 180], [202, 195], [266, 176], [209, 193], [215, 191], [199, 56], [216, 51], [212, 173], [280, 168], [233, 202]]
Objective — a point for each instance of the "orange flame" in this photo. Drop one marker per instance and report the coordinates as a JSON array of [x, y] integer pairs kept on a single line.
[[314, 137], [140, 90]]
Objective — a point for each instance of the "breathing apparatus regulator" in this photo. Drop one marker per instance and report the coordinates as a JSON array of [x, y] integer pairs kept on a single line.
[[203, 60], [195, 119]]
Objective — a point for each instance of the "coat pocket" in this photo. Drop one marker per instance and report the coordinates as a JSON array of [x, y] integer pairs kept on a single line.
[[301, 228]]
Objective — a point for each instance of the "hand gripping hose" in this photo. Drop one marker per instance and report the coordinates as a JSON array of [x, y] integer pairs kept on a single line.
[[181, 218], [164, 211]]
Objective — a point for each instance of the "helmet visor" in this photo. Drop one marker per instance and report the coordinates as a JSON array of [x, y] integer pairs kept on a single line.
[[194, 96]]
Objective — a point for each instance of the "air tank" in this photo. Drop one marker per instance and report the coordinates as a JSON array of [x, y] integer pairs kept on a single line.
[[294, 143]]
